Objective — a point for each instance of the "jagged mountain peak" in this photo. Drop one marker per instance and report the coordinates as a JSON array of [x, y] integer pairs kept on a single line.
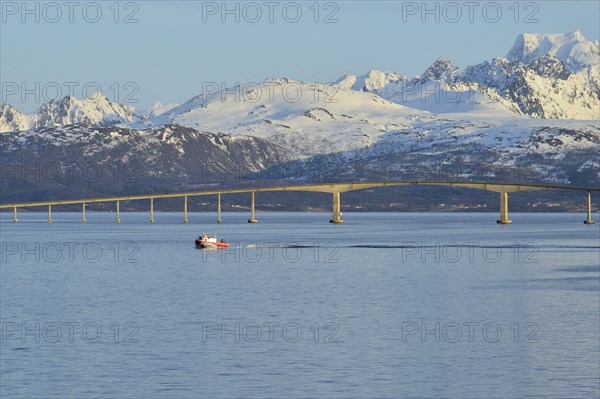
[[441, 69], [97, 109], [5, 107], [576, 34], [97, 100], [64, 101], [97, 97]]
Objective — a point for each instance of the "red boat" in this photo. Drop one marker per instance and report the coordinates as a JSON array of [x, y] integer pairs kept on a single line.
[[205, 241]]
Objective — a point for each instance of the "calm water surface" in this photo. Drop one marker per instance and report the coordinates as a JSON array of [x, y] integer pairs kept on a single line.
[[386, 305]]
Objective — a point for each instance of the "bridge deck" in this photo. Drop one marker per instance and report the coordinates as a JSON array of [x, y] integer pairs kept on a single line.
[[320, 187]]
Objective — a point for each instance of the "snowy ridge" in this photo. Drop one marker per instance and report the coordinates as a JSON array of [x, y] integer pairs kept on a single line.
[[183, 149], [94, 110], [362, 125], [549, 76], [309, 119], [545, 88]]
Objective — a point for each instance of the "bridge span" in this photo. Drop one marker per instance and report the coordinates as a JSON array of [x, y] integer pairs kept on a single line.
[[333, 188]]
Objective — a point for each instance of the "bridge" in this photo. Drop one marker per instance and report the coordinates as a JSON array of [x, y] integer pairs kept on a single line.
[[333, 188]]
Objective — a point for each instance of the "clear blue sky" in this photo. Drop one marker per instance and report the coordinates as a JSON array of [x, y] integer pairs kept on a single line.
[[176, 46]]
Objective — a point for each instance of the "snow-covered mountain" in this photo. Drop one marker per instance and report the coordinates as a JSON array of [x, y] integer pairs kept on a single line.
[[438, 90], [572, 49], [538, 107], [550, 76], [362, 124], [306, 118], [547, 76], [95, 110], [11, 120], [126, 160]]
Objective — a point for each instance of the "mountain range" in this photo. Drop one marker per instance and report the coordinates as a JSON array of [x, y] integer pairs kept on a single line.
[[537, 109]]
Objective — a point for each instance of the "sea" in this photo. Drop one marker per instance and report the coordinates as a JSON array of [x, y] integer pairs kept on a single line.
[[385, 305]]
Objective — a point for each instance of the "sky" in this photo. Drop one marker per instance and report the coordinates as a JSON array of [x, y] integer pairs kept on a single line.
[[139, 52]]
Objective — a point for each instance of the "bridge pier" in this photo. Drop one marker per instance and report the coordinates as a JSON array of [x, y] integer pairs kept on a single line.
[[185, 213], [15, 220], [151, 210], [83, 219], [589, 209], [504, 209], [118, 220], [337, 215], [219, 208], [252, 219], [49, 213]]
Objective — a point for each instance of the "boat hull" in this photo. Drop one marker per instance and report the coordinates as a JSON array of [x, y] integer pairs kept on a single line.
[[204, 244]]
